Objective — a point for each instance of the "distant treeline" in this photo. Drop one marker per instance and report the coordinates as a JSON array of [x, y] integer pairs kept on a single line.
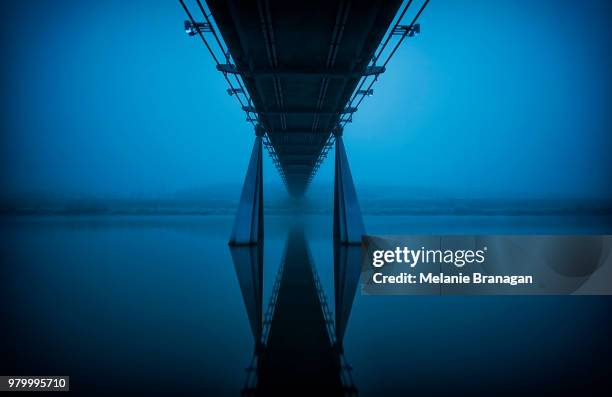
[[371, 206]]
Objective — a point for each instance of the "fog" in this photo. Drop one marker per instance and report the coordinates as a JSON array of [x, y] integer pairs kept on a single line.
[[493, 99]]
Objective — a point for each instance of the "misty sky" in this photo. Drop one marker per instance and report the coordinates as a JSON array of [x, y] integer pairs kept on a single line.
[[494, 98]]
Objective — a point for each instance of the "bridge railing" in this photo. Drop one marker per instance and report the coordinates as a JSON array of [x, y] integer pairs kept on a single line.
[[236, 87], [359, 94]]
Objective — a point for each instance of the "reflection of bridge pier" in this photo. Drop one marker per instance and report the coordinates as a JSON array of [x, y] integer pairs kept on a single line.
[[298, 345], [248, 262], [346, 278]]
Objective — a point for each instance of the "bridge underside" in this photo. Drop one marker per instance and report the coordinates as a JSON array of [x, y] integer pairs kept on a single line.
[[300, 62]]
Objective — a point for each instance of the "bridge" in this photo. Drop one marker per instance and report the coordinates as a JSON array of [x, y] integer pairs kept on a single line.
[[299, 70]]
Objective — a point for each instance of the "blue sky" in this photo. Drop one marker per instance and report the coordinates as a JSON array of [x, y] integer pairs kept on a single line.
[[493, 99]]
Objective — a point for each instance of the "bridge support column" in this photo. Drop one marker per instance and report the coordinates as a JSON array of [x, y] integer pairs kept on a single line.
[[348, 223], [248, 225]]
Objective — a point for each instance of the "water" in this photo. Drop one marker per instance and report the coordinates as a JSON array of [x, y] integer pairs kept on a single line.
[[153, 304]]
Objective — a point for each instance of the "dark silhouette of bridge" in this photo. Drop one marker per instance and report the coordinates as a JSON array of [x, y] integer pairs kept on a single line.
[[299, 70], [300, 63]]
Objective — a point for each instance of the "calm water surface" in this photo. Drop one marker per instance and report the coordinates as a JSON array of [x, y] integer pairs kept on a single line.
[[147, 305]]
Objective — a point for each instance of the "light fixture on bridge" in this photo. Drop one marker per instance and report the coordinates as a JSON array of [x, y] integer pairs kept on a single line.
[[227, 68], [373, 70], [234, 91], [347, 119], [407, 30], [199, 27], [369, 92]]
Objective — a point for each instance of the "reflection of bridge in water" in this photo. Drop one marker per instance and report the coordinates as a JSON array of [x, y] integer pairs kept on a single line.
[[298, 343], [300, 70]]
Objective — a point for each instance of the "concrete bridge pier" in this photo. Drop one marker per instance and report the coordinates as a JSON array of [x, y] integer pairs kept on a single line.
[[248, 224], [348, 222]]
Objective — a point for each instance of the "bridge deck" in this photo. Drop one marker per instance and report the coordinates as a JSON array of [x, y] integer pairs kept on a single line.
[[300, 62]]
